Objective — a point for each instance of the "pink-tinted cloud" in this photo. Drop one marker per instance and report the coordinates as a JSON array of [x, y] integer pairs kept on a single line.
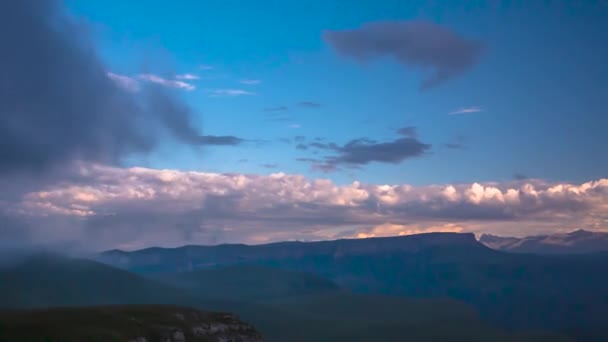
[[169, 207]]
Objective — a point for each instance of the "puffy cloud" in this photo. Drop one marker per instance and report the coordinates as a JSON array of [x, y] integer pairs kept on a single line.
[[443, 54], [103, 205]]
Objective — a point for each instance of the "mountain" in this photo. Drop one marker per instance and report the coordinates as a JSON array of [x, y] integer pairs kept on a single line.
[[514, 291], [249, 283], [576, 242], [124, 323], [46, 280], [163, 260], [304, 308]]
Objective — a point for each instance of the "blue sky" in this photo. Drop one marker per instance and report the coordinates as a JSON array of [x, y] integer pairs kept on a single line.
[[540, 83]]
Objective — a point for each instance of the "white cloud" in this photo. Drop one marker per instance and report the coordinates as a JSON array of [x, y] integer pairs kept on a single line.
[[466, 110], [295, 126], [133, 204], [228, 92], [187, 77], [205, 67], [250, 82], [166, 82], [125, 82]]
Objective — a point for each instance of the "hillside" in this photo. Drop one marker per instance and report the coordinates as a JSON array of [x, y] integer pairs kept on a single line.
[[248, 283], [323, 314], [46, 280], [514, 291], [576, 242], [123, 323]]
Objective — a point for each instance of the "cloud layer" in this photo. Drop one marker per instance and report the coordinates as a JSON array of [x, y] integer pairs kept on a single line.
[[108, 207], [439, 52]]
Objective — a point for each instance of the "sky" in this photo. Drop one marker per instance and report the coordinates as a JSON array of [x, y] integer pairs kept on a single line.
[[127, 124]]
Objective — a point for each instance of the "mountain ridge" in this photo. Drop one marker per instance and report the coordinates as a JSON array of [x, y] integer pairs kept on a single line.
[[576, 242], [191, 257]]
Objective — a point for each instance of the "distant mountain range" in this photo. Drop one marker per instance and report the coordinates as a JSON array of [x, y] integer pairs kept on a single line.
[[282, 305], [566, 293], [576, 242], [161, 260]]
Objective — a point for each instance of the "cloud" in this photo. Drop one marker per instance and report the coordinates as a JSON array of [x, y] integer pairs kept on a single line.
[[221, 140], [466, 110], [186, 77], [205, 67], [440, 53], [269, 166], [309, 104], [458, 143], [295, 125], [60, 104], [229, 92], [409, 131], [105, 207], [363, 151], [166, 82], [276, 109], [391, 229], [125, 82], [250, 82]]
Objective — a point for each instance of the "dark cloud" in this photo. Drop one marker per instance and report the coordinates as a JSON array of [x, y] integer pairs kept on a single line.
[[309, 104], [225, 140], [439, 52], [408, 131], [364, 151], [58, 105], [276, 109], [323, 146], [520, 176], [455, 146], [458, 143], [301, 146], [299, 138]]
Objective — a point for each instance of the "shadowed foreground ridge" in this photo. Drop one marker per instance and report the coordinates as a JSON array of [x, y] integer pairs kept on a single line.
[[140, 323]]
